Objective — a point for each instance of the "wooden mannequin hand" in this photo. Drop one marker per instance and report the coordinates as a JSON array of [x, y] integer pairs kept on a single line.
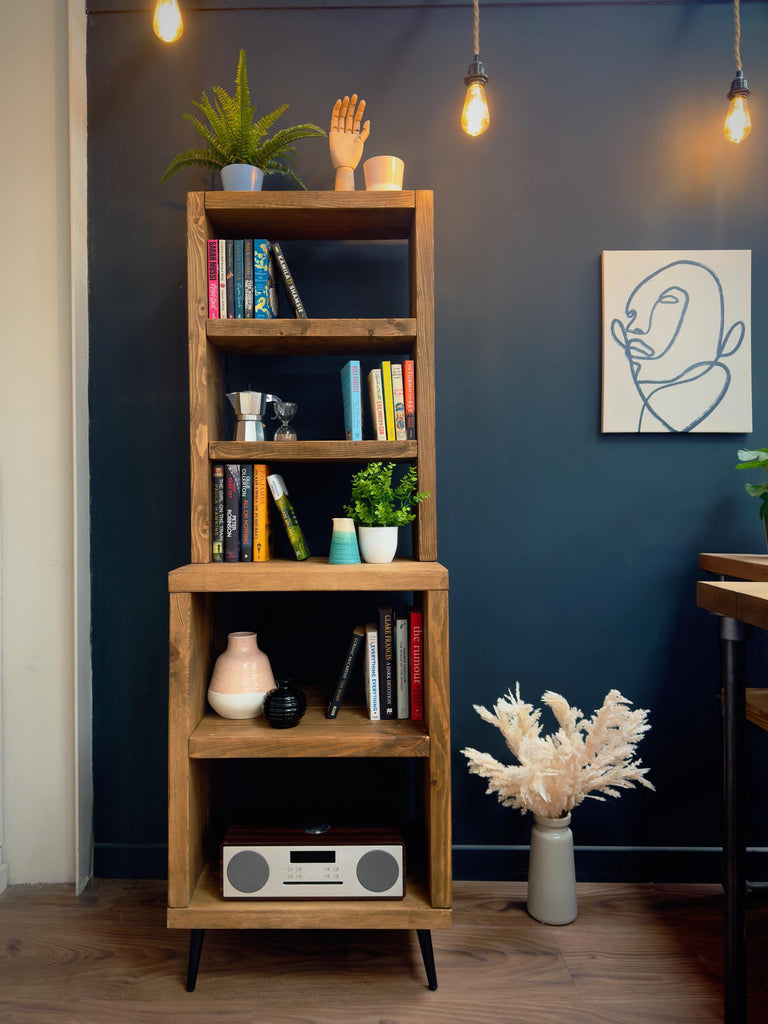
[[346, 140]]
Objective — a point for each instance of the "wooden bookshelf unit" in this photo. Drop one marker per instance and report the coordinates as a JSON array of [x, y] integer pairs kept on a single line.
[[200, 740]]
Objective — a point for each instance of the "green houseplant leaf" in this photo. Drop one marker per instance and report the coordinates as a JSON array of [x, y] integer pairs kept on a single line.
[[756, 459], [232, 136], [376, 502]]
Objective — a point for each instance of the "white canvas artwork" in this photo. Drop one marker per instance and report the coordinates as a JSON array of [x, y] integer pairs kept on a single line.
[[677, 342]]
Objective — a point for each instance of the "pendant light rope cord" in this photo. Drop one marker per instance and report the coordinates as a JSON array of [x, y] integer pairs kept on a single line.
[[477, 24], [736, 33]]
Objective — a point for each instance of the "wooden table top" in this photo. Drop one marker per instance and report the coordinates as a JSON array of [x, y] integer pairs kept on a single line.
[[743, 567]]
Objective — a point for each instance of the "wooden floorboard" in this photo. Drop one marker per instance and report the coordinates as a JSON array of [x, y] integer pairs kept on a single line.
[[636, 954]]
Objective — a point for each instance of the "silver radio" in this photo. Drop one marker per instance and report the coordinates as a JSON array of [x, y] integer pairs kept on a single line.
[[323, 862]]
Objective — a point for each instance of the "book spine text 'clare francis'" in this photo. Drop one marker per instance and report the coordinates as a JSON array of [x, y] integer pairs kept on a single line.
[[358, 635], [371, 671], [232, 512], [290, 285], [213, 279], [290, 522], [387, 698], [217, 539]]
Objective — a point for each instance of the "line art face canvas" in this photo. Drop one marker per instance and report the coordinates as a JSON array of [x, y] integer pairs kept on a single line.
[[677, 342]]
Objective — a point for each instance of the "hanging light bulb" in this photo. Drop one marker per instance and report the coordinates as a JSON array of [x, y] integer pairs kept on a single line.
[[475, 117], [738, 123], [167, 22]]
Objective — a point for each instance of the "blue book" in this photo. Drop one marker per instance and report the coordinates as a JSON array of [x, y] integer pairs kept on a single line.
[[352, 399], [264, 293], [239, 280]]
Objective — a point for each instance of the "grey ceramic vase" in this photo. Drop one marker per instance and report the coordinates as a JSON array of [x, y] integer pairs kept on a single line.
[[551, 871]]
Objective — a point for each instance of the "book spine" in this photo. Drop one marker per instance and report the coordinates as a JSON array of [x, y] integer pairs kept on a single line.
[[398, 400], [213, 279], [415, 622], [264, 299], [358, 635], [376, 396], [222, 279], [262, 518], [353, 409], [248, 278], [246, 512], [232, 512], [230, 278], [389, 407], [387, 698], [239, 279], [217, 540], [371, 671], [402, 674], [290, 285], [291, 523], [409, 392]]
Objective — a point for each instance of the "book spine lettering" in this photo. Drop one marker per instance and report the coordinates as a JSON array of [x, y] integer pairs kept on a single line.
[[222, 279], [371, 671], [389, 407], [387, 699], [262, 517], [409, 392], [239, 279], [232, 512], [230, 278], [248, 278], [217, 540], [358, 635], [264, 296], [246, 512], [417, 680], [376, 396], [351, 398], [402, 675], [213, 279], [291, 523], [290, 285], [398, 400]]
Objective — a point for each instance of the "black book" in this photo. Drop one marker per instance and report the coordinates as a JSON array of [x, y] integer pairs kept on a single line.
[[232, 512], [387, 694], [246, 512], [355, 644], [290, 285], [217, 541]]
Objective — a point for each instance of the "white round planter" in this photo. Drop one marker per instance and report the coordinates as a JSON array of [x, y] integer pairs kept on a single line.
[[377, 543], [241, 178]]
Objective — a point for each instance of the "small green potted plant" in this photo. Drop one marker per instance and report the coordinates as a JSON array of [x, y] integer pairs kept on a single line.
[[756, 459], [378, 508], [236, 144]]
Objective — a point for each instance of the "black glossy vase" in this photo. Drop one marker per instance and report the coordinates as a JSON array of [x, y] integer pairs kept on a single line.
[[285, 705]]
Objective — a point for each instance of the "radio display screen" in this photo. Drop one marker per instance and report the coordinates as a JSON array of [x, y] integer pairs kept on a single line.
[[313, 856]]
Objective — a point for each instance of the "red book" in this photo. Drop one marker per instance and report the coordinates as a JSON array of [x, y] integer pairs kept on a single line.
[[409, 390], [213, 279], [415, 628]]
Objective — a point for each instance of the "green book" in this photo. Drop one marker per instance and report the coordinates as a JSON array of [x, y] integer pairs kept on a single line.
[[290, 522]]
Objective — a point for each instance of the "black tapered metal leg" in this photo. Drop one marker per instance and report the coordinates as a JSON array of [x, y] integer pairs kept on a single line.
[[196, 937], [732, 636], [428, 956]]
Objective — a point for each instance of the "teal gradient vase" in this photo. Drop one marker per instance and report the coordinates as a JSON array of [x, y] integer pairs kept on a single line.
[[344, 549]]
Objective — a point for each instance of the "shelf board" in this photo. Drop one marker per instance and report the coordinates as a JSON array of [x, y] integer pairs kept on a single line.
[[312, 215], [208, 909], [743, 567], [314, 574], [745, 601], [757, 707], [350, 734], [311, 451], [312, 337]]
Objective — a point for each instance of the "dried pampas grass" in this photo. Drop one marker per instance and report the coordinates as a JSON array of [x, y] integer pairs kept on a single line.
[[584, 758]]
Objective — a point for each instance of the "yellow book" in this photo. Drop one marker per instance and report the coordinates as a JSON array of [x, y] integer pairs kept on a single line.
[[389, 400], [262, 525]]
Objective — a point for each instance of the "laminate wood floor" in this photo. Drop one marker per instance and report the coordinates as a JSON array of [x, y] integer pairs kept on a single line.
[[636, 954]]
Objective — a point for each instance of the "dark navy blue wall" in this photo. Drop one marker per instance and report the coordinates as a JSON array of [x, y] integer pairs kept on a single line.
[[573, 555]]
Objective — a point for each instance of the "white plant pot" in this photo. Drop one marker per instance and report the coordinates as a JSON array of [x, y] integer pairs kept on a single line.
[[551, 871], [377, 543], [241, 178]]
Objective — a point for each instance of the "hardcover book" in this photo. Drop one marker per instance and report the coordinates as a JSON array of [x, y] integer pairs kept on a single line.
[[230, 250], [402, 673], [371, 671], [239, 279], [355, 645], [352, 400], [217, 520], [415, 622], [262, 516], [264, 294], [290, 522], [387, 699], [389, 403], [409, 391], [213, 279], [248, 278], [232, 512], [376, 396], [290, 285], [398, 399], [222, 279], [246, 512]]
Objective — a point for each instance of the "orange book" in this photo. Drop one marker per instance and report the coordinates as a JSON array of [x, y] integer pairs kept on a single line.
[[262, 525], [409, 391]]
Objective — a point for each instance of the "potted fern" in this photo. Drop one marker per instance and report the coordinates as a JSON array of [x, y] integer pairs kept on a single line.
[[379, 508], [238, 146]]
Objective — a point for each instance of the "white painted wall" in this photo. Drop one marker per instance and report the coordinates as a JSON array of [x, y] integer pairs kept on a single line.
[[37, 584]]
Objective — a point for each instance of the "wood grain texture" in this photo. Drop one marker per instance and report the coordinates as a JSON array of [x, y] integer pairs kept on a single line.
[[356, 337], [422, 291], [743, 567], [312, 451], [745, 601], [437, 789], [350, 734], [636, 954], [313, 574], [757, 707]]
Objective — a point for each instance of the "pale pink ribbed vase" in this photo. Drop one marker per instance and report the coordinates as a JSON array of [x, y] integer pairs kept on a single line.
[[242, 676]]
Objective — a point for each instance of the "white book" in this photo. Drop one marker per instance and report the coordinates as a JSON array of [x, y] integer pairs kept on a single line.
[[402, 675], [371, 671], [398, 397], [376, 395]]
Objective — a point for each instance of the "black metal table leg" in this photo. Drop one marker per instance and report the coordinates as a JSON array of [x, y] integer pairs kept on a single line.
[[196, 937], [428, 956], [732, 636]]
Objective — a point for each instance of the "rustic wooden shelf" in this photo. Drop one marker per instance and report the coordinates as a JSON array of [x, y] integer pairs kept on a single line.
[[285, 337], [311, 451]]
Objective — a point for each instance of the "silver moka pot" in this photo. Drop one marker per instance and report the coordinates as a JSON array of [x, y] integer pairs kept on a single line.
[[250, 407]]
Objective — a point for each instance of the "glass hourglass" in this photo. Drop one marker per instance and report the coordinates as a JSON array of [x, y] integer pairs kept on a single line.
[[285, 411]]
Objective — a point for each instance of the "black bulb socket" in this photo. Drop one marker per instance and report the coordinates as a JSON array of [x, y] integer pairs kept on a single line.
[[476, 72], [739, 86]]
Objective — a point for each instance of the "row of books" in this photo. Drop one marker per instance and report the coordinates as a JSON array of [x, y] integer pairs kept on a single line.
[[392, 653], [241, 279], [242, 521], [392, 399]]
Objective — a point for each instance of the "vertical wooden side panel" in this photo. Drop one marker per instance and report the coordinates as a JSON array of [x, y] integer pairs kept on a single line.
[[437, 797], [188, 801], [422, 287]]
